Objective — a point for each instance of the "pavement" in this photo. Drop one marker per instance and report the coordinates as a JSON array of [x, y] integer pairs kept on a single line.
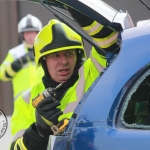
[[6, 139]]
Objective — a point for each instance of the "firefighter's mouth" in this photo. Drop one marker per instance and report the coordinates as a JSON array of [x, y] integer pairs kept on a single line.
[[64, 71]]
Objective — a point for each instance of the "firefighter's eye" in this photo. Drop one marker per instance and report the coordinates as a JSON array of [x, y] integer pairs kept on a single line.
[[54, 55], [70, 53]]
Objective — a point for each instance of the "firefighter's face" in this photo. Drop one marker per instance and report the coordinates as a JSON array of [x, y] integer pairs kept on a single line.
[[30, 36], [61, 65]]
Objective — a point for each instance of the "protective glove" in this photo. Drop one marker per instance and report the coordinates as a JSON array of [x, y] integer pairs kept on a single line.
[[26, 58], [32, 140], [18, 64], [47, 115]]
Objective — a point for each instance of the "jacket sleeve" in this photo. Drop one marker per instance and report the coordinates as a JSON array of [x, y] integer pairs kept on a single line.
[[9, 68], [23, 126], [105, 36], [22, 116], [30, 140]]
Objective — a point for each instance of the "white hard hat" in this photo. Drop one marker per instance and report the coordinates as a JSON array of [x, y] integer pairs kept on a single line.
[[29, 23]]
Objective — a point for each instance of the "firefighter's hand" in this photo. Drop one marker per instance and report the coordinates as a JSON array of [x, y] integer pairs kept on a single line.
[[18, 64], [26, 58], [47, 114]]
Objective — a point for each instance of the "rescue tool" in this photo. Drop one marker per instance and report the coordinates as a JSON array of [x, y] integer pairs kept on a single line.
[[48, 92]]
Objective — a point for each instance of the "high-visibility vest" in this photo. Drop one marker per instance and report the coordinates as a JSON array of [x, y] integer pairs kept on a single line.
[[24, 78]]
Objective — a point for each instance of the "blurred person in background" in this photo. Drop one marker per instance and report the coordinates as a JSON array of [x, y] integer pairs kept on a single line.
[[19, 64]]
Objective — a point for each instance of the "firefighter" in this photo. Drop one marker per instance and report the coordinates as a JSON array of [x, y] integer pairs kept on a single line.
[[19, 64], [60, 52]]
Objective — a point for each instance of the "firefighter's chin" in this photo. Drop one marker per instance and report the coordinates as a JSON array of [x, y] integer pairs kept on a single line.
[[28, 45]]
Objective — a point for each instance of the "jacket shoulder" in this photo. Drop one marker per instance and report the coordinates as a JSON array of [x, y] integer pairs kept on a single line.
[[18, 51]]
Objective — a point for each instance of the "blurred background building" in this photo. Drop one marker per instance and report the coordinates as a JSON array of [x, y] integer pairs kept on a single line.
[[12, 11]]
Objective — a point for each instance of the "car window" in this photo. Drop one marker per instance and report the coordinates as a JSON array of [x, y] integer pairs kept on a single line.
[[135, 111]]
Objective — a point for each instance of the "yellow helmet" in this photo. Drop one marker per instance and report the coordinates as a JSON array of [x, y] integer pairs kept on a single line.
[[54, 37]]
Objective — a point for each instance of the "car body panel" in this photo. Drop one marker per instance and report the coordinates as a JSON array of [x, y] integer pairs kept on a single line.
[[143, 22]]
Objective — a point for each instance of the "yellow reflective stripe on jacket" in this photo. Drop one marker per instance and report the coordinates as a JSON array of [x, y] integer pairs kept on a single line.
[[94, 28], [19, 143], [107, 41], [6, 62], [10, 71], [3, 75]]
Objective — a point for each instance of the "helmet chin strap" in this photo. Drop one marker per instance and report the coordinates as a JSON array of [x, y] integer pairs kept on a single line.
[[27, 44]]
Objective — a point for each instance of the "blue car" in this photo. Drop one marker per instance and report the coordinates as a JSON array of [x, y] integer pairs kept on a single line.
[[114, 114]]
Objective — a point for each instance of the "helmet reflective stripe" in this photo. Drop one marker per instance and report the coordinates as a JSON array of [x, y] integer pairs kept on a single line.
[[29, 23]]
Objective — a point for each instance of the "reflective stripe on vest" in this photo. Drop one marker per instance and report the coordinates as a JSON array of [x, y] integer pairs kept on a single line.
[[80, 92], [105, 41], [108, 41], [98, 66], [26, 96], [15, 97], [94, 28]]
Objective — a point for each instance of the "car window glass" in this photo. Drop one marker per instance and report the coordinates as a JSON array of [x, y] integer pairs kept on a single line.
[[135, 112]]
